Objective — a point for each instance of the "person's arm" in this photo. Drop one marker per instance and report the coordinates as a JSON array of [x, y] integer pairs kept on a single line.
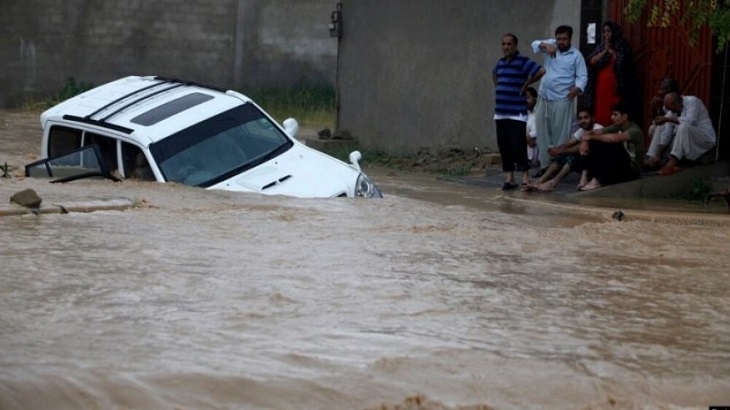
[[569, 146], [598, 53], [690, 112], [610, 137], [587, 136], [581, 77], [494, 78], [537, 76], [661, 120], [545, 46]]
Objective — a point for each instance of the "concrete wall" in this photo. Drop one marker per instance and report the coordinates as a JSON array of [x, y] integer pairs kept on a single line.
[[417, 73], [228, 43]]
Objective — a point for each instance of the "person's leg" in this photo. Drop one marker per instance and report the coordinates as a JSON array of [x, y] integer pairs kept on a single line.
[[583, 179], [505, 150], [517, 130], [554, 167], [597, 163], [542, 122], [690, 142], [652, 154], [666, 137], [564, 115], [550, 184], [614, 164]]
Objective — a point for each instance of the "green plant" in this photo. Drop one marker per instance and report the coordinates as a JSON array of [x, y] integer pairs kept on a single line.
[[698, 190], [695, 14], [6, 169], [70, 88], [312, 105]]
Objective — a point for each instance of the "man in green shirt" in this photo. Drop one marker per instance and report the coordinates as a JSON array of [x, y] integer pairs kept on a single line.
[[615, 153]]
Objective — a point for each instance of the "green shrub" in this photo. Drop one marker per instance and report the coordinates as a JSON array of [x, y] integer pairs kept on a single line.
[[70, 89], [311, 104], [698, 191]]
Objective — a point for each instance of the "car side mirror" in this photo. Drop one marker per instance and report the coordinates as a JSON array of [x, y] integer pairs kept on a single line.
[[355, 157], [291, 126]]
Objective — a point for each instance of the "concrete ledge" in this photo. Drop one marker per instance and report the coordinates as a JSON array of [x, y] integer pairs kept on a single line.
[[610, 214], [657, 186], [116, 204]]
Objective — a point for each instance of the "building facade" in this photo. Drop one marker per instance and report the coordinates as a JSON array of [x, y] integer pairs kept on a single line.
[[417, 73]]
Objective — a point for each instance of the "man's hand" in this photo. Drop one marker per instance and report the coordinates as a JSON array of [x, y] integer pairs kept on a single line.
[[661, 120], [574, 92], [553, 151], [549, 49], [583, 147]]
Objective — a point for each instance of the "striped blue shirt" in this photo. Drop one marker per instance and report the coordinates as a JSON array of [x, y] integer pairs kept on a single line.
[[511, 76]]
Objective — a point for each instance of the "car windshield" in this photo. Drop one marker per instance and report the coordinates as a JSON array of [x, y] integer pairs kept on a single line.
[[220, 147]]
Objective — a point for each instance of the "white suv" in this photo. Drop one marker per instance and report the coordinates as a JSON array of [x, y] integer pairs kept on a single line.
[[166, 129]]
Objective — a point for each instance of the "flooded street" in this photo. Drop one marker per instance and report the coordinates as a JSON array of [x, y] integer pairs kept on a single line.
[[438, 296]]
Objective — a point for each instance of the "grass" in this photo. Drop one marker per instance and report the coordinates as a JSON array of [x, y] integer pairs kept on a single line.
[[311, 105]]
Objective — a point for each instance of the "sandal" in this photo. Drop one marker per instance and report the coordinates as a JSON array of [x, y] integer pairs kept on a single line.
[[666, 171], [508, 186]]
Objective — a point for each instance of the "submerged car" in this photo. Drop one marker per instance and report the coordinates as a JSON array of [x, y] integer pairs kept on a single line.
[[169, 130]]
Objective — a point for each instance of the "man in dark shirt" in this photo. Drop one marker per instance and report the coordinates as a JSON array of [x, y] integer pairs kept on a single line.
[[615, 153], [511, 76]]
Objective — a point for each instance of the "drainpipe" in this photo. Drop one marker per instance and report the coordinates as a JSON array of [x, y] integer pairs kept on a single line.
[[335, 29]]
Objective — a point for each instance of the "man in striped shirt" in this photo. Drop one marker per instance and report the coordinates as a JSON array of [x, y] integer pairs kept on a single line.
[[511, 76]]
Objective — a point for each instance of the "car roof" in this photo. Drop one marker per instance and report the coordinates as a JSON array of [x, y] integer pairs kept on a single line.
[[147, 109]]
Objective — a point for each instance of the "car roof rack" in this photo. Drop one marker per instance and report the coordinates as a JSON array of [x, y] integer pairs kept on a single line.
[[172, 82]]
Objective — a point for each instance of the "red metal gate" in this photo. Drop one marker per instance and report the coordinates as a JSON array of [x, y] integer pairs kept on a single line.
[[666, 52]]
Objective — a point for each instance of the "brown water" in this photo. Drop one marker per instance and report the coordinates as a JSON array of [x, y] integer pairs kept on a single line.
[[439, 296]]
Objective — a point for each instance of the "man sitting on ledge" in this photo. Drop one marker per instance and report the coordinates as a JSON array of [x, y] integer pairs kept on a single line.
[[615, 153], [694, 133]]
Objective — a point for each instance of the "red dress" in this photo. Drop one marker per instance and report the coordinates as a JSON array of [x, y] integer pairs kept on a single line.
[[605, 95]]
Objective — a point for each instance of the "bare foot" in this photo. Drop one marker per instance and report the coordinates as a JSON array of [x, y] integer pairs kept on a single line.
[[581, 184], [591, 185], [652, 162], [546, 186]]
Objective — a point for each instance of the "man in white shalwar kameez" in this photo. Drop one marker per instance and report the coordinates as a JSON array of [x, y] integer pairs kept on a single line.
[[694, 133]]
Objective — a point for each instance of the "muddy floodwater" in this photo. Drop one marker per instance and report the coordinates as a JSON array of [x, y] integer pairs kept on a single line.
[[438, 296]]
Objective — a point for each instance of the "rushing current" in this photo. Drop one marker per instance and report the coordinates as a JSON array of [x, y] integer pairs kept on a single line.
[[438, 296]]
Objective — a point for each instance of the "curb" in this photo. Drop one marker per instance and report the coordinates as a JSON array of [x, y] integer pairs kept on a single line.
[[117, 204], [627, 215]]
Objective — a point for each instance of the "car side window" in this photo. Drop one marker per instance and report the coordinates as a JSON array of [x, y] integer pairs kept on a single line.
[[107, 146], [136, 165], [62, 140]]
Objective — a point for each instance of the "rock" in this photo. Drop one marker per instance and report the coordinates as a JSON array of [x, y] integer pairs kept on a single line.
[[342, 135], [325, 134], [27, 198]]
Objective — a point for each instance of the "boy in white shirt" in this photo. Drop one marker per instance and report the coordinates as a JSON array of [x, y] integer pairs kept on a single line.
[[566, 157], [533, 153]]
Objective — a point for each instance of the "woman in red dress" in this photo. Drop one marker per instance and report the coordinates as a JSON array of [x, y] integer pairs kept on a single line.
[[610, 71]]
